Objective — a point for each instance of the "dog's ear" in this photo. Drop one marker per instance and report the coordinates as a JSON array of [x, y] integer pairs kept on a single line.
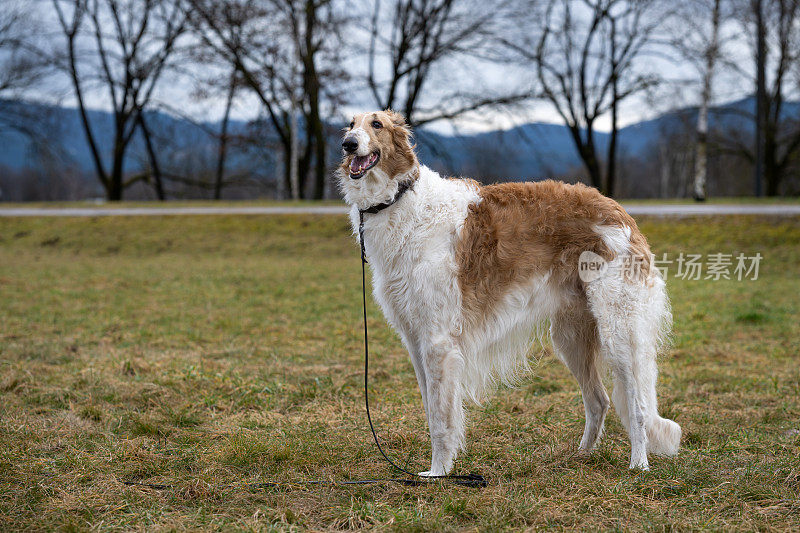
[[401, 135], [396, 118], [401, 132], [399, 122]]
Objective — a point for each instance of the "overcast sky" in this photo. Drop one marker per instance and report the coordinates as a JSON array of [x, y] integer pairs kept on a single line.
[[682, 90]]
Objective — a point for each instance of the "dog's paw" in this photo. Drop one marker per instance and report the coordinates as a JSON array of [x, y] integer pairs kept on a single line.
[[428, 473], [583, 453]]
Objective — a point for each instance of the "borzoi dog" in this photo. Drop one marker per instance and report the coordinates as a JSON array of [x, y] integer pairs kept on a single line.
[[465, 273]]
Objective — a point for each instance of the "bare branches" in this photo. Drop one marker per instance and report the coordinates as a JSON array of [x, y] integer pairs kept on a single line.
[[585, 57], [777, 139], [70, 25], [130, 61], [297, 62], [474, 103], [23, 67], [283, 50], [21, 62], [413, 41]]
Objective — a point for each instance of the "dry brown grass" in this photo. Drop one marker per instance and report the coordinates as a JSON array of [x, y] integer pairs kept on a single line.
[[209, 353]]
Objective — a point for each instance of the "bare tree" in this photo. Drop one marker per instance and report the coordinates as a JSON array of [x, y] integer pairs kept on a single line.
[[189, 157], [152, 156], [294, 169], [22, 66], [124, 48], [777, 52], [585, 54], [701, 153], [413, 43], [224, 138], [265, 40], [215, 80], [772, 31], [20, 62], [696, 36]]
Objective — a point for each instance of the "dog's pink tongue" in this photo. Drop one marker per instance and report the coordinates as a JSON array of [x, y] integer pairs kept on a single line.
[[358, 162]]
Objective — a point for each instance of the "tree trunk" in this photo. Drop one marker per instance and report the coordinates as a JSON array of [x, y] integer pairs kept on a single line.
[[663, 186], [701, 158], [304, 165], [115, 183], [151, 154], [772, 172], [611, 155], [611, 162], [761, 109], [320, 169], [773, 181], [701, 148], [593, 167], [285, 181], [293, 179], [114, 189], [587, 154], [312, 91], [223, 139], [87, 127]]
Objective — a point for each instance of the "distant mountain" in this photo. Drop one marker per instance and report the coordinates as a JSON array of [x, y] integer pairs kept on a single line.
[[62, 127], [530, 151], [59, 146]]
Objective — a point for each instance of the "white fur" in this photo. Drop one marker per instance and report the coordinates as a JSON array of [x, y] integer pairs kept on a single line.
[[633, 321], [617, 238], [501, 344], [411, 251], [362, 137]]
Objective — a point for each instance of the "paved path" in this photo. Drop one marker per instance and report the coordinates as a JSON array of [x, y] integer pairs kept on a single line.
[[675, 210], [161, 211], [685, 210]]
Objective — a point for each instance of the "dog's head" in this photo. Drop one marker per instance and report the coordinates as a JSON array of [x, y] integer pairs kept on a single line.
[[378, 155]]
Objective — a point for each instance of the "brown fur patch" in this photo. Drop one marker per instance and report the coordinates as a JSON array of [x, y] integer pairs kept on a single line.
[[521, 230]]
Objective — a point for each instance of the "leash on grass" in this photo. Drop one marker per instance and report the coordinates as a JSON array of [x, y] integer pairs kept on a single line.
[[467, 480], [293, 484]]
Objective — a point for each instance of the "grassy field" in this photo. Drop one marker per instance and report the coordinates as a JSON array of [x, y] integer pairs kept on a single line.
[[209, 353]]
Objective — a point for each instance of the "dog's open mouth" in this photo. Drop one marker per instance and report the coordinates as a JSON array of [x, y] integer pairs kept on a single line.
[[362, 163]]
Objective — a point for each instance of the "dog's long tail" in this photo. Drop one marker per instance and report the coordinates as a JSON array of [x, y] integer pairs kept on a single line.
[[652, 331]]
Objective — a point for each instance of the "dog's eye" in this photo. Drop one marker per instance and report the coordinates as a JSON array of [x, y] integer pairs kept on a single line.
[[376, 124], [352, 124]]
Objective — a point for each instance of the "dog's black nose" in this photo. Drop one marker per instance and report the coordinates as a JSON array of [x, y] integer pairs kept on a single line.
[[350, 145]]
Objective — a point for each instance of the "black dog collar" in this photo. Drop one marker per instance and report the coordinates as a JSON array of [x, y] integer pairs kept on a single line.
[[401, 190]]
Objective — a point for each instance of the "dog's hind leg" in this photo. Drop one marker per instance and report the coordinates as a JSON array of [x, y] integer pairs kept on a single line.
[[444, 366], [630, 319], [611, 301], [575, 341]]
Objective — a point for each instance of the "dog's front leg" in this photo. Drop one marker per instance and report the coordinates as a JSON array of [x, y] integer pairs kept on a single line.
[[444, 366], [419, 369]]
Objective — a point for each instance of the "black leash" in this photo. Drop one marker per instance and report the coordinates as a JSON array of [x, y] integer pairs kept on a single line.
[[468, 480], [278, 484]]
